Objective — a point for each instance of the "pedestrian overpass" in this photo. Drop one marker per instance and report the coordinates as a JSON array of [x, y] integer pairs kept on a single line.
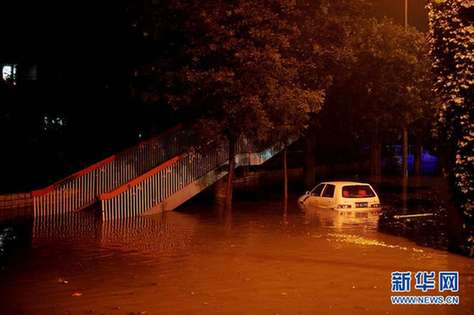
[[155, 175]]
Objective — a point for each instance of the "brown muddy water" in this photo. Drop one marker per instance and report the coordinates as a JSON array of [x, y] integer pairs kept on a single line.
[[200, 260]]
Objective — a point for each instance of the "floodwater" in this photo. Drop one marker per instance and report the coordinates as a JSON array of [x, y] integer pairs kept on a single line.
[[200, 260]]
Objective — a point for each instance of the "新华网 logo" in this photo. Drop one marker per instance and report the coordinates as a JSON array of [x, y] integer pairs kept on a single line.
[[424, 281]]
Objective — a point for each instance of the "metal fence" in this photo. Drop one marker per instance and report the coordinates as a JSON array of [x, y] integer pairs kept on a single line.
[[81, 189], [153, 187]]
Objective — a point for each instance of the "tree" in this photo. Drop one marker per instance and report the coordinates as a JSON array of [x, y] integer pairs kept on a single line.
[[386, 89], [235, 69], [452, 48], [328, 28]]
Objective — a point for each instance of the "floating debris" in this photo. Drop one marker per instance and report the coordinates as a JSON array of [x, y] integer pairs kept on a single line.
[[416, 215]]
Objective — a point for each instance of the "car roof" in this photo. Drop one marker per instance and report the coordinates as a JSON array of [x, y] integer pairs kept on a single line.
[[345, 183]]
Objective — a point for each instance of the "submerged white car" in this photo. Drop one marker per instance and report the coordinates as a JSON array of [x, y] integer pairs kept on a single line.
[[348, 199]]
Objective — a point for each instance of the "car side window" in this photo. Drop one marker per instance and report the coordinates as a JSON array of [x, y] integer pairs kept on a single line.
[[317, 190], [329, 191]]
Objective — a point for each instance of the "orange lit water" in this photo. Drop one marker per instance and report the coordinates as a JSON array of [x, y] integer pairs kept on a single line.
[[202, 261]]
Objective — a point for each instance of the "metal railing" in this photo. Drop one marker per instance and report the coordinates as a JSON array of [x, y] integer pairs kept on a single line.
[[151, 189], [81, 189], [155, 186]]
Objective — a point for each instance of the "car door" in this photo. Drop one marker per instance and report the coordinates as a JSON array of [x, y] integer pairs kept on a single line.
[[315, 195], [327, 197]]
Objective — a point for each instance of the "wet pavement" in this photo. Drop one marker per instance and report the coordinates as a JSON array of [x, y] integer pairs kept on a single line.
[[201, 260]]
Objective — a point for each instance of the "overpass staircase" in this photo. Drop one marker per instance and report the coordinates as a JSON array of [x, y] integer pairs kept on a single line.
[[158, 174]]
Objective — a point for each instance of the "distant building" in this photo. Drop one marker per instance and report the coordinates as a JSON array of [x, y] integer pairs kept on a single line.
[[14, 72]]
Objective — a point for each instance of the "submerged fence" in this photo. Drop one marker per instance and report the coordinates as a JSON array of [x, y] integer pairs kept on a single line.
[[81, 189], [153, 187]]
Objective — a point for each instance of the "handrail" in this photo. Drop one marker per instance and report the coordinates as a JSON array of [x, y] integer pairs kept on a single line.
[[81, 190], [101, 163], [137, 180], [242, 147], [167, 132], [153, 187], [43, 191], [163, 186]]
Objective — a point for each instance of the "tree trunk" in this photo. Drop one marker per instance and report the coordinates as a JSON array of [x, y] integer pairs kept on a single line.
[[418, 158], [309, 162], [220, 190], [405, 169], [404, 193], [405, 152], [285, 181], [376, 156], [376, 159], [230, 174]]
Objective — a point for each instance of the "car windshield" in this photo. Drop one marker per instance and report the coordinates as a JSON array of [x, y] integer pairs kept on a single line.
[[317, 190], [357, 191]]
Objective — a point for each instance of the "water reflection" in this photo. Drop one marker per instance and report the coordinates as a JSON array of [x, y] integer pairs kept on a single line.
[[71, 227], [149, 234], [331, 218], [152, 234]]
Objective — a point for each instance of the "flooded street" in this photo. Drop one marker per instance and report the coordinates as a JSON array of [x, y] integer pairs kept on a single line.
[[199, 260]]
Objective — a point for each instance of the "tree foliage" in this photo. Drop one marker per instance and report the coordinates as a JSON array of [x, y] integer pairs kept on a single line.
[[390, 76], [384, 87], [240, 68], [452, 48], [322, 50], [257, 69]]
